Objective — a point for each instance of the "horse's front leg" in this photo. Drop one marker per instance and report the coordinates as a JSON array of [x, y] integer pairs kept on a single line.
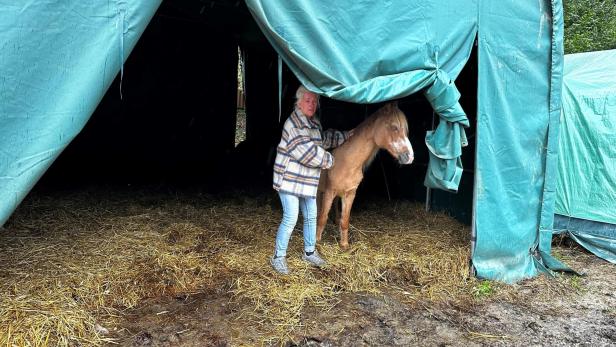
[[336, 207], [347, 203], [326, 203]]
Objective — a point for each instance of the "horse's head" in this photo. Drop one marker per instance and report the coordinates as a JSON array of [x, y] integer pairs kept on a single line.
[[391, 133]]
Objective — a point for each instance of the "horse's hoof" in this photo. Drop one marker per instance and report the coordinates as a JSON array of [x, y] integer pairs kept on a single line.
[[344, 247]]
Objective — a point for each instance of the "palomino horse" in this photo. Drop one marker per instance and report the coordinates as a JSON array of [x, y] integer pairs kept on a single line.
[[387, 129]]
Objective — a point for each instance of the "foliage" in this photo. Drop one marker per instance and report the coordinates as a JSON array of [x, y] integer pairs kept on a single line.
[[590, 25], [576, 282], [483, 289]]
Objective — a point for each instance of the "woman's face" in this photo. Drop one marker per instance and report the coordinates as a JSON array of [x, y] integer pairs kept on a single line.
[[308, 104]]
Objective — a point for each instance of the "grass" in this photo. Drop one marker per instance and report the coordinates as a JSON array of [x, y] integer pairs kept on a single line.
[[483, 289]]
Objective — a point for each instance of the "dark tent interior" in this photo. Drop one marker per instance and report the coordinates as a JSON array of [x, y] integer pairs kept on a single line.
[[170, 119]]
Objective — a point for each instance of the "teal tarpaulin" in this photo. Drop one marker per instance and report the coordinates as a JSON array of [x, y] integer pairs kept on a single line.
[[597, 237], [370, 51], [366, 51], [520, 79], [586, 184], [587, 147], [57, 60]]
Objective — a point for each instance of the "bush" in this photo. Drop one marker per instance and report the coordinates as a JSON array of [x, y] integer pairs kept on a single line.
[[590, 25]]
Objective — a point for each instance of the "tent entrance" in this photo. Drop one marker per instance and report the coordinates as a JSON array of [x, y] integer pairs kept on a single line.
[[176, 120], [176, 117]]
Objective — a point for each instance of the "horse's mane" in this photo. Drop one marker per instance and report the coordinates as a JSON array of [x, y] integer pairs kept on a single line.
[[368, 122], [389, 110]]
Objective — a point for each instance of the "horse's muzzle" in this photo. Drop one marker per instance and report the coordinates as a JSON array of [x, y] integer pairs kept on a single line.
[[405, 158]]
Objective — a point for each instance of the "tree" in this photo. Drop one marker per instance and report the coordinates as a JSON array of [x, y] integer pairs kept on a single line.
[[590, 25]]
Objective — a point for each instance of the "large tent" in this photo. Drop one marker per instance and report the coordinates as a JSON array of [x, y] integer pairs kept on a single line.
[[58, 60], [586, 185]]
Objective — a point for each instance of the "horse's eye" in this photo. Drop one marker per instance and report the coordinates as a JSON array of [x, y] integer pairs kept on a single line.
[[394, 128]]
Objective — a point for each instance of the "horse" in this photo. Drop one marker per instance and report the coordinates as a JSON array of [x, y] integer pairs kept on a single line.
[[387, 129]]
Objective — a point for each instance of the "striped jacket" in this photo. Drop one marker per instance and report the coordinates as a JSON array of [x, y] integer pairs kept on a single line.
[[301, 155]]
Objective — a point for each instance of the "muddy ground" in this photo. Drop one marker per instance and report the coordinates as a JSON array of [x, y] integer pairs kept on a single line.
[[580, 313], [161, 269]]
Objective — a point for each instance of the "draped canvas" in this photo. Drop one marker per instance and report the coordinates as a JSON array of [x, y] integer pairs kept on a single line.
[[57, 61], [59, 58], [367, 51]]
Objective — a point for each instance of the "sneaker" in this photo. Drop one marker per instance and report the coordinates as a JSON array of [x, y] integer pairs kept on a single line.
[[314, 259], [280, 265]]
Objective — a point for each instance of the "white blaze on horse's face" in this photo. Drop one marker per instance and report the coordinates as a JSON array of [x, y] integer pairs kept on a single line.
[[403, 149], [398, 144], [391, 134]]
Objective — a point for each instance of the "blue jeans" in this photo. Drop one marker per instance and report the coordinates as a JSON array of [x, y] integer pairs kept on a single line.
[[290, 206]]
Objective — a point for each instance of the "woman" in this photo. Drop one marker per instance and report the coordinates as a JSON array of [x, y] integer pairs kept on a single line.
[[300, 157]]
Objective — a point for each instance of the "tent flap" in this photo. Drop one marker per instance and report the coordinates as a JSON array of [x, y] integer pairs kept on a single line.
[[520, 45], [396, 51], [367, 52], [58, 59], [444, 144]]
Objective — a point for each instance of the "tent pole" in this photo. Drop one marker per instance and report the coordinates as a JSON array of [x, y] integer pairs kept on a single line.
[[428, 189], [472, 269]]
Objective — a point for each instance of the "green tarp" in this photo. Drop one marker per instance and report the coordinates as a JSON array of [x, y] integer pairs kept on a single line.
[[597, 237], [587, 147], [58, 59], [520, 79], [397, 48], [367, 51], [586, 184]]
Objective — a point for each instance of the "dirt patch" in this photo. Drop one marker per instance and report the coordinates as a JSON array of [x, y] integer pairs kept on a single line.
[[542, 311]]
